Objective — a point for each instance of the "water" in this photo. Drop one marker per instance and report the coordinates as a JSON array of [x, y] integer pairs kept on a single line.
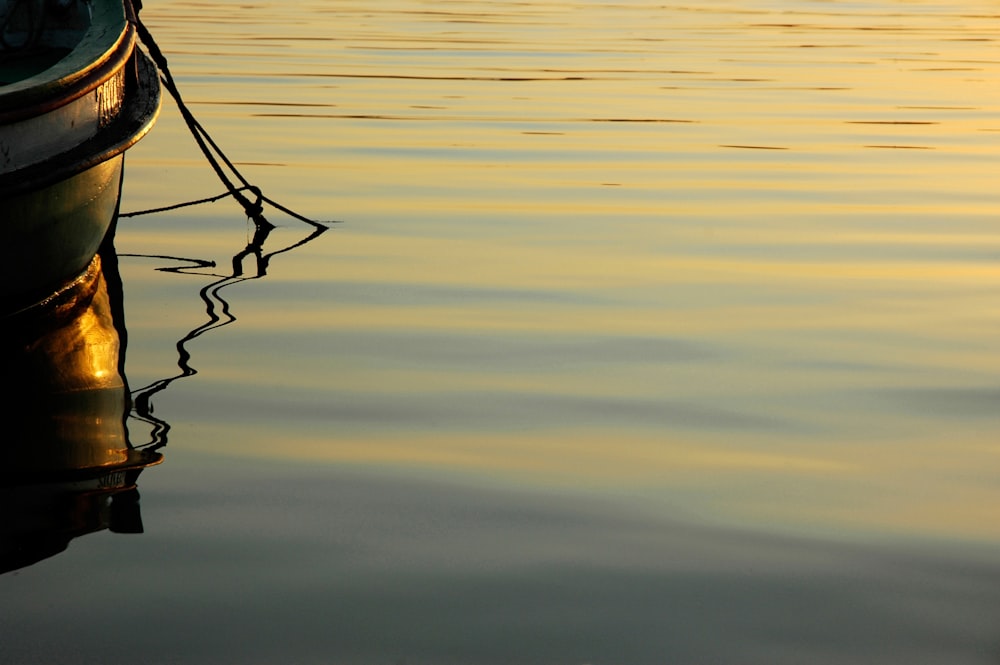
[[650, 333]]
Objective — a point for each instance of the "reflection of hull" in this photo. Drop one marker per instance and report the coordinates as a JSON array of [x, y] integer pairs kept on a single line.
[[66, 466], [63, 132]]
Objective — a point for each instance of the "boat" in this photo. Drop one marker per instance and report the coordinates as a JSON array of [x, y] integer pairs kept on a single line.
[[75, 93]]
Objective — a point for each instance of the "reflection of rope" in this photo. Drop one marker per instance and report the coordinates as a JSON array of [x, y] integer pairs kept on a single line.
[[254, 209], [217, 310], [217, 307]]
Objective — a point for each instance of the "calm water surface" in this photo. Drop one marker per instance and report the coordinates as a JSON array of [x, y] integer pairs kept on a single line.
[[649, 334]]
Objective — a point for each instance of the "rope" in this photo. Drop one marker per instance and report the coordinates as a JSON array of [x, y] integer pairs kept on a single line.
[[209, 148], [175, 206]]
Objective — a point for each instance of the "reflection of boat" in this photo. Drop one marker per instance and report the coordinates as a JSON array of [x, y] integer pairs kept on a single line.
[[75, 93], [66, 465]]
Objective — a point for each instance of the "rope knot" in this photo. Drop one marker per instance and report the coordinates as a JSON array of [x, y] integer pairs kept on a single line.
[[256, 208]]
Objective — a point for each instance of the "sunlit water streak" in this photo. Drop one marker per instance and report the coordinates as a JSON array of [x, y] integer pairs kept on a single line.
[[795, 195], [624, 290]]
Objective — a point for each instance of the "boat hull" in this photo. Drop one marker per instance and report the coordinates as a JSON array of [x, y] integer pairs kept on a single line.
[[55, 214], [58, 230], [44, 114]]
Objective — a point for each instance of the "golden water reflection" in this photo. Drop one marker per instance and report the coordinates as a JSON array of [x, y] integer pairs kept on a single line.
[[67, 467], [654, 333], [737, 258]]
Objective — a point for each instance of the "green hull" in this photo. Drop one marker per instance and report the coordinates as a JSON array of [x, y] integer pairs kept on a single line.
[[54, 215], [58, 230], [63, 132]]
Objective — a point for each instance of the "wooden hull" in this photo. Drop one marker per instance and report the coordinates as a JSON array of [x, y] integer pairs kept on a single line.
[[50, 111], [55, 232], [55, 213]]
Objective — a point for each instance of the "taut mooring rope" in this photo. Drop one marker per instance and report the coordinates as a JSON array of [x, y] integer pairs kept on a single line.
[[213, 153]]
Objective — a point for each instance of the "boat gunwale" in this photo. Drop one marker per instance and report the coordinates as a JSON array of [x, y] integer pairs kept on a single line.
[[49, 98], [138, 114]]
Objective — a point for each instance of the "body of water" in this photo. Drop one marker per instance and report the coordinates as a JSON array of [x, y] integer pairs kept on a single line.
[[646, 333]]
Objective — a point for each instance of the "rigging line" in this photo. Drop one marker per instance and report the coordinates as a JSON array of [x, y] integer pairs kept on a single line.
[[177, 206], [209, 148], [196, 130], [219, 197]]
